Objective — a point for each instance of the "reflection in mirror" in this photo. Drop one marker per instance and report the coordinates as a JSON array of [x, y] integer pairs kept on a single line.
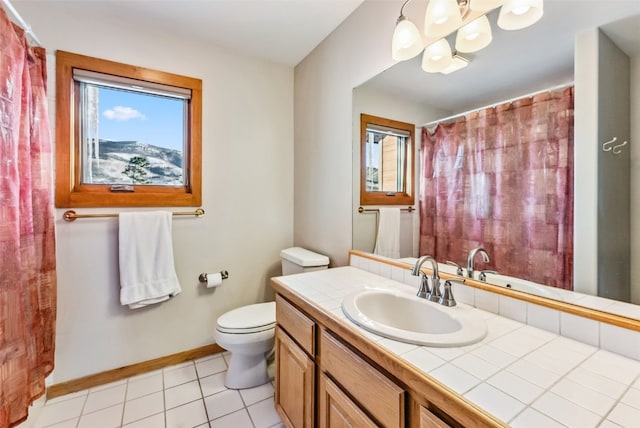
[[503, 71], [386, 152]]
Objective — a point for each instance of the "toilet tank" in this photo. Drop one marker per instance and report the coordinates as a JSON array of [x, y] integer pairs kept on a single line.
[[298, 260]]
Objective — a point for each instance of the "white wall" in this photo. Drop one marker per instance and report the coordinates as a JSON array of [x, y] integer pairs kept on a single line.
[[247, 194], [635, 179], [359, 49]]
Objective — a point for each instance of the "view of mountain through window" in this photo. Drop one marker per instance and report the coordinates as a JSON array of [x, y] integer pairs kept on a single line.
[[131, 137]]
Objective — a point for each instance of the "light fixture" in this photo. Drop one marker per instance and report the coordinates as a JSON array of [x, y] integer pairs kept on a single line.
[[518, 14], [474, 36], [406, 42], [457, 63], [437, 56], [442, 17], [485, 5]]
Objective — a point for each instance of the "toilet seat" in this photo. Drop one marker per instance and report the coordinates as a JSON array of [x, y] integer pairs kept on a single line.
[[248, 319]]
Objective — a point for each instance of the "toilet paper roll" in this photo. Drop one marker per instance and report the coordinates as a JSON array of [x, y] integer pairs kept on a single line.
[[214, 279]]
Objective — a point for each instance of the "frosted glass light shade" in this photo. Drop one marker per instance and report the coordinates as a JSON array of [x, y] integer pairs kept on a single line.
[[441, 18], [437, 56], [406, 42], [517, 14], [457, 63], [484, 5], [474, 36]]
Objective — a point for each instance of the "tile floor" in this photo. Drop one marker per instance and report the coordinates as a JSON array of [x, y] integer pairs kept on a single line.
[[186, 395]]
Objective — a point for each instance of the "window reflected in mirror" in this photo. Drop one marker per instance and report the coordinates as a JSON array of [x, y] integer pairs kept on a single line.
[[386, 159]]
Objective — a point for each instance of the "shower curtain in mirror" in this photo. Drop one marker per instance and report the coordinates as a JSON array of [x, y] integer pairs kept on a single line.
[[502, 178], [27, 246]]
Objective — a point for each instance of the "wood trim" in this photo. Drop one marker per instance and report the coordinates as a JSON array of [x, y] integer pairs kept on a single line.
[[131, 370], [381, 198], [581, 311], [69, 192], [416, 382]]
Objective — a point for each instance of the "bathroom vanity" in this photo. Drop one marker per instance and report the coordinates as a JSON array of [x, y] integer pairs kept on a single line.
[[332, 373]]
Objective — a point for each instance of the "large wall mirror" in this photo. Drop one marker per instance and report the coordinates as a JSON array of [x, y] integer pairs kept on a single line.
[[575, 43]]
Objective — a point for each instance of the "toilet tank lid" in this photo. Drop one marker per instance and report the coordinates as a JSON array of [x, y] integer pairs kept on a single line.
[[304, 257]]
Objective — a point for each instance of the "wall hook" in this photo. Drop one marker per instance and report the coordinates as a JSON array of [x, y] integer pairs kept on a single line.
[[617, 150], [606, 147]]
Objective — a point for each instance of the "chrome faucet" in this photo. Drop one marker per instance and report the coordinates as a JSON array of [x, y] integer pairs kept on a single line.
[[483, 275], [426, 292], [472, 256]]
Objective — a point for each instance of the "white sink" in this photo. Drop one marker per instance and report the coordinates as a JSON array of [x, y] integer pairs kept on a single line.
[[402, 316]]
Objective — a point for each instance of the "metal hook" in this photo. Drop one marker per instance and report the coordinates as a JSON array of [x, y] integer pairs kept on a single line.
[[617, 150], [606, 147]]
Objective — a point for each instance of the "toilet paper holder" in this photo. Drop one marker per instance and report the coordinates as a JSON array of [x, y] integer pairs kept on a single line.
[[203, 276]]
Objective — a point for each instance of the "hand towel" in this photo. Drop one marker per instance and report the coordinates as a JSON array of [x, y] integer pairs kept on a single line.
[[388, 238], [147, 272]]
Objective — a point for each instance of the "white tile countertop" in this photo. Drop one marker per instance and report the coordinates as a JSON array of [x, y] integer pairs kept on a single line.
[[523, 375]]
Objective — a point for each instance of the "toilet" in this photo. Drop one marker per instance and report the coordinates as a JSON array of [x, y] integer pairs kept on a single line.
[[248, 332]]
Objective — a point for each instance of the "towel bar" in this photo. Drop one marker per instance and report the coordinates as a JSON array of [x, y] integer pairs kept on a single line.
[[71, 215], [371, 210]]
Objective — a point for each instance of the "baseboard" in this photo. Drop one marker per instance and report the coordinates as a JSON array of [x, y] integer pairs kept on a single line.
[[128, 371]]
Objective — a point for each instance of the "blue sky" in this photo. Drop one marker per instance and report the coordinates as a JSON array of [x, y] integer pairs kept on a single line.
[[140, 117]]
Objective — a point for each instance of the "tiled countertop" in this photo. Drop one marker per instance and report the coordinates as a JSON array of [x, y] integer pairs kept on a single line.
[[525, 376]]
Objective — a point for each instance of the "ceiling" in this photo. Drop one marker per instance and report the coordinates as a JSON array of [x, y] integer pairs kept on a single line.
[[281, 31], [516, 63]]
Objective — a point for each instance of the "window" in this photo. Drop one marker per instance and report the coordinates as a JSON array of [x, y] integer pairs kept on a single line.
[[126, 135], [386, 160]]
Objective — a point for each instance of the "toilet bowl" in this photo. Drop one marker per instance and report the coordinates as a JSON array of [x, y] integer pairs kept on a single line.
[[248, 332]]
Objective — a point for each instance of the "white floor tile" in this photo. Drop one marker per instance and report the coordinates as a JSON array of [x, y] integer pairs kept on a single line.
[[179, 375], [70, 423], [111, 417], [182, 394], [213, 384], [239, 419], [187, 416], [211, 366], [104, 398], [143, 386], [259, 393], [263, 414], [155, 421], [60, 411], [143, 407], [223, 403]]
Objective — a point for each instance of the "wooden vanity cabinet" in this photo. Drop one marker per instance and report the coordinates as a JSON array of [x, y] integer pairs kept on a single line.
[[323, 381]]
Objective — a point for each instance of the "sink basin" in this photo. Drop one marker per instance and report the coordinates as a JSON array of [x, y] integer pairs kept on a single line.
[[402, 316]]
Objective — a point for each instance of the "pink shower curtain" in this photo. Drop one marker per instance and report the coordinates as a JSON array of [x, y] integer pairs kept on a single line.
[[27, 243], [502, 178]]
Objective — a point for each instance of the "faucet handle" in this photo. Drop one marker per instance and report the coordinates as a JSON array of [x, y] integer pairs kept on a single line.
[[483, 275], [424, 291], [458, 267], [435, 295], [447, 297]]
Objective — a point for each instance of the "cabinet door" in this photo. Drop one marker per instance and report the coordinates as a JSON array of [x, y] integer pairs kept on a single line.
[[336, 410], [429, 420], [295, 383]]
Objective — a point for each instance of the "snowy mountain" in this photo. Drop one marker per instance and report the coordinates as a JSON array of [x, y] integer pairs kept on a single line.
[[165, 165]]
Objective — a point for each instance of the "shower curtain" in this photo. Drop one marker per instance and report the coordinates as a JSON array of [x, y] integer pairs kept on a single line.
[[502, 178], [27, 243]]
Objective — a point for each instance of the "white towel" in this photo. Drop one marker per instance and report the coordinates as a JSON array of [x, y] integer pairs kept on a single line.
[[388, 238], [147, 272]]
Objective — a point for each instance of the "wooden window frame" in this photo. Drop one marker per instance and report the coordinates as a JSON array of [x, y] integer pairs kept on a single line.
[[69, 192], [386, 198]]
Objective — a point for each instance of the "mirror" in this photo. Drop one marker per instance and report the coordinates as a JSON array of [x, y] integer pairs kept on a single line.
[[514, 65], [386, 153]]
